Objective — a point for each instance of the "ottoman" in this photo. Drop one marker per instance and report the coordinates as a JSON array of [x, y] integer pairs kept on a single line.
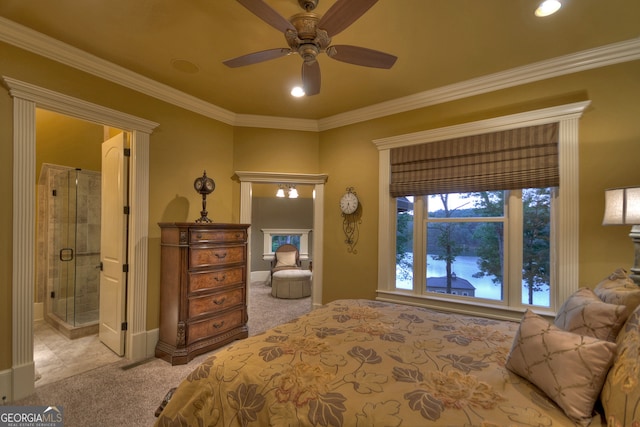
[[291, 284]]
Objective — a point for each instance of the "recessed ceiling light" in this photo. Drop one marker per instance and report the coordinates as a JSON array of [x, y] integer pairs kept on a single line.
[[548, 7], [185, 66], [297, 92]]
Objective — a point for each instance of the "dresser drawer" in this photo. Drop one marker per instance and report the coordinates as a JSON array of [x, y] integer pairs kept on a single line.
[[214, 326], [207, 280], [215, 303], [216, 236], [208, 256]]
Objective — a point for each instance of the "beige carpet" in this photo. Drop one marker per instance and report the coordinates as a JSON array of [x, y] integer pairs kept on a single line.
[[127, 394]]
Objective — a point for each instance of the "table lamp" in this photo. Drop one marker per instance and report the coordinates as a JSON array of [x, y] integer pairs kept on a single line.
[[622, 207]]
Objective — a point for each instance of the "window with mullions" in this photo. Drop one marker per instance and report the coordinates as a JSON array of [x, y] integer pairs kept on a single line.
[[492, 245], [281, 239], [469, 157]]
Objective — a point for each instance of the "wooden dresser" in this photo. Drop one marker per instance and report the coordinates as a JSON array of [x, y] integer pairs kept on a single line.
[[203, 288]]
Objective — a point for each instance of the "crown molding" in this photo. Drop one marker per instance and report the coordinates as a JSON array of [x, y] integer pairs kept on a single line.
[[38, 43], [625, 51], [48, 47], [273, 122]]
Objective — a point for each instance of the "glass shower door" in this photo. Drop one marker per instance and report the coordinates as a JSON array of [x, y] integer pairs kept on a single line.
[[63, 258]]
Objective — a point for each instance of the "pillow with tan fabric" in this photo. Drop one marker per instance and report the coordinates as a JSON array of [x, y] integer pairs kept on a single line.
[[569, 368], [583, 313], [286, 259], [619, 288], [621, 392]]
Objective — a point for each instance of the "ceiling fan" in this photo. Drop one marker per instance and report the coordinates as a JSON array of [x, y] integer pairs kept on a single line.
[[308, 34]]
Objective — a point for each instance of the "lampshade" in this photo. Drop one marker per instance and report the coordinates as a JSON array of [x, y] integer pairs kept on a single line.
[[293, 193], [622, 206], [280, 192]]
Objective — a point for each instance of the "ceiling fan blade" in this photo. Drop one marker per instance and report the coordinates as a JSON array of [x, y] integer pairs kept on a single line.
[[342, 14], [255, 57], [267, 14], [361, 56], [311, 78]]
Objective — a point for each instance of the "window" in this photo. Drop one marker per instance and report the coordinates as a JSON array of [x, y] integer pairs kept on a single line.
[[396, 283], [278, 240], [492, 245], [274, 237]]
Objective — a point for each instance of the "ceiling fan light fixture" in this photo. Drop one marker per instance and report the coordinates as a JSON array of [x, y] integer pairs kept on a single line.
[[548, 7], [297, 92], [308, 35]]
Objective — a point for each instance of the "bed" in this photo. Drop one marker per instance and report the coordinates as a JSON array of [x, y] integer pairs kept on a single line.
[[371, 363]]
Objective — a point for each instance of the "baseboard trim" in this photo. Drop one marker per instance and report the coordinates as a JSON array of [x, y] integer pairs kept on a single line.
[[139, 345], [152, 340], [259, 276], [38, 311], [5, 387], [23, 380]]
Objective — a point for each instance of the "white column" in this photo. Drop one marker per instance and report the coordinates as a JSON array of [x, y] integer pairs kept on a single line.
[[136, 343], [24, 206], [569, 198]]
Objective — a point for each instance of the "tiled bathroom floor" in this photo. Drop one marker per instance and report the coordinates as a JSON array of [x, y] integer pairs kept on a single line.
[[57, 357]]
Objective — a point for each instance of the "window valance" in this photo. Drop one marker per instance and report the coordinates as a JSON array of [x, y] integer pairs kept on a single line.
[[517, 158]]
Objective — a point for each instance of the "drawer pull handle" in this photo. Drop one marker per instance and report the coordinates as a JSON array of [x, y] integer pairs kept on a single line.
[[218, 325], [219, 301], [221, 256], [221, 279], [199, 236]]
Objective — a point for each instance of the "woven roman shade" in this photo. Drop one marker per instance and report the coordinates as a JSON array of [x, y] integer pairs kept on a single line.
[[506, 160]]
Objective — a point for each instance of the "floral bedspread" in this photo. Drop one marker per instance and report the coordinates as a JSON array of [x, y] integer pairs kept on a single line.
[[365, 363]]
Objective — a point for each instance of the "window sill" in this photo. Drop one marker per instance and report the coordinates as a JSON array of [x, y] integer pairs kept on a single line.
[[471, 308]]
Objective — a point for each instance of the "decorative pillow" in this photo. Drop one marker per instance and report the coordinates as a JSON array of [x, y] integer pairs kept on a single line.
[[286, 259], [569, 368], [619, 288], [583, 313], [621, 392]]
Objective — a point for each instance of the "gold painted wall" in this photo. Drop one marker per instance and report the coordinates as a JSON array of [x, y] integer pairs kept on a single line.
[[609, 148], [186, 143], [182, 146], [273, 150], [67, 141]]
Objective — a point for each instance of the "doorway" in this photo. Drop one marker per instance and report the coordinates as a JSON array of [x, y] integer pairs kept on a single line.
[[73, 202], [26, 98], [247, 179]]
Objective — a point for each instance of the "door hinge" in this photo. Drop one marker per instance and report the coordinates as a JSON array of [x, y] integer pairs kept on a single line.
[[54, 193], [101, 266], [53, 294], [125, 268], [127, 152], [123, 326], [126, 210]]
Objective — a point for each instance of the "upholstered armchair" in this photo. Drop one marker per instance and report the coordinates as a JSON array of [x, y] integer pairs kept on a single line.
[[286, 257]]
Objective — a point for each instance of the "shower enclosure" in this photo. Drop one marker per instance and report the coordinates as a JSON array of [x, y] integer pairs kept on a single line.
[[74, 251]]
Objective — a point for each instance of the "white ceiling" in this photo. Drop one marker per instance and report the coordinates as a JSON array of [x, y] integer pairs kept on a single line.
[[437, 42]]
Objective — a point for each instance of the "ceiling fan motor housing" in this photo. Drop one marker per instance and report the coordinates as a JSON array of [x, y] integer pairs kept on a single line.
[[308, 5], [308, 40]]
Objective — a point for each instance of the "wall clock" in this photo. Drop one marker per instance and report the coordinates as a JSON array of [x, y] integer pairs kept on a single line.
[[351, 213], [205, 186]]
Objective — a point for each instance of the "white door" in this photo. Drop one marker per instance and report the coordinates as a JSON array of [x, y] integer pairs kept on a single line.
[[113, 243]]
